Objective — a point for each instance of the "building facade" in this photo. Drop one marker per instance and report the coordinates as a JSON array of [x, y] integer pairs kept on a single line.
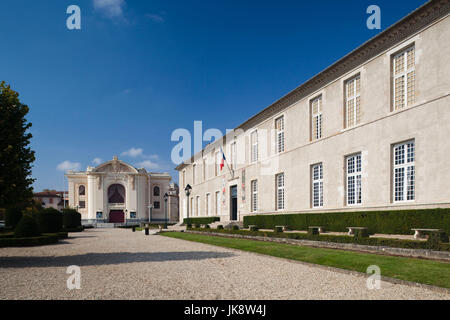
[[52, 199], [116, 192], [369, 132]]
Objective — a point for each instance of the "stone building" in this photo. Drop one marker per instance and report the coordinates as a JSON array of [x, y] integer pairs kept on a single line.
[[370, 132], [116, 192]]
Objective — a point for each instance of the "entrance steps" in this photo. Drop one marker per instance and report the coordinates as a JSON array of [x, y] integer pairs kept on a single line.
[[105, 225]]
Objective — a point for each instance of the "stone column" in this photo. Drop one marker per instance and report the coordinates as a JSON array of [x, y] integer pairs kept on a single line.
[[91, 196]]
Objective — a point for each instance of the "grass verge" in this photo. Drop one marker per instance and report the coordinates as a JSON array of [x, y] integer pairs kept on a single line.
[[429, 272]]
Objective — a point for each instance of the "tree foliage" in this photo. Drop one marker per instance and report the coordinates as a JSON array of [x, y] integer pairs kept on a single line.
[[16, 157]]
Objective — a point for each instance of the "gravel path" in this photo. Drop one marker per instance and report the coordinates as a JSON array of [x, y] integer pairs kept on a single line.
[[119, 264]]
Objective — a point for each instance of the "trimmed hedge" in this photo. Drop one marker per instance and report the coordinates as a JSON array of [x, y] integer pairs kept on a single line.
[[30, 241], [27, 227], [385, 222], [385, 242], [12, 217], [77, 229], [49, 220], [200, 220], [71, 219]]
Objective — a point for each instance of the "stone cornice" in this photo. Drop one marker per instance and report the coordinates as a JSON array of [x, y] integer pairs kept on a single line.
[[411, 24]]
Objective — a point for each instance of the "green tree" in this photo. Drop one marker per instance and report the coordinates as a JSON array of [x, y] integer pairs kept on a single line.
[[16, 157]]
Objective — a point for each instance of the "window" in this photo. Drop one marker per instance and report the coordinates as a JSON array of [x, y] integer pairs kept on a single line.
[[354, 170], [208, 204], [217, 163], [279, 127], [280, 191], [157, 205], [234, 155], [197, 206], [82, 204], [317, 185], [254, 190], [132, 215], [51, 200], [116, 194], [404, 171], [254, 146], [353, 101], [156, 191], [82, 191], [316, 118], [217, 203], [194, 169], [99, 215], [404, 74], [204, 169]]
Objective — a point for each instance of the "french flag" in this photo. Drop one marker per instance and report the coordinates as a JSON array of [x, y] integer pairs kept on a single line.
[[222, 162]]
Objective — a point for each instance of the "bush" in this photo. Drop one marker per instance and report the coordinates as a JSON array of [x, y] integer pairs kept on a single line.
[[27, 227], [198, 225], [313, 231], [71, 219], [207, 226], [361, 233], [220, 227], [189, 226], [49, 220], [12, 217], [235, 227], [77, 229], [31, 241], [386, 222], [253, 228], [278, 229], [200, 220]]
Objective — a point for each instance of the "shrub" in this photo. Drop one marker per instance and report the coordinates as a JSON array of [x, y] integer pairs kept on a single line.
[[220, 227], [189, 225], [49, 220], [13, 216], [235, 227], [387, 222], [361, 233], [201, 220], [31, 241], [253, 228], [207, 226], [198, 225], [278, 229], [27, 227], [313, 231], [71, 218]]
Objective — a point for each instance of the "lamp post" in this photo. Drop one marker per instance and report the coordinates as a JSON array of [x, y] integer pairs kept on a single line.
[[166, 196], [187, 190]]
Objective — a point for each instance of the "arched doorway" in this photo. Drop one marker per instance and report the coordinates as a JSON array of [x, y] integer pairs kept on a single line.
[[116, 197]]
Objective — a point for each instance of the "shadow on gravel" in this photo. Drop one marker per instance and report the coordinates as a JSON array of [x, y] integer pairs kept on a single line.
[[97, 259]]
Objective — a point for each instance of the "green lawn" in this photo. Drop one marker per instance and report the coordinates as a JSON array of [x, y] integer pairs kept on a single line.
[[417, 270]]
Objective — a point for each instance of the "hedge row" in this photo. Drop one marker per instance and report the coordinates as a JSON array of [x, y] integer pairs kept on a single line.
[[395, 243], [385, 222], [30, 241], [201, 220]]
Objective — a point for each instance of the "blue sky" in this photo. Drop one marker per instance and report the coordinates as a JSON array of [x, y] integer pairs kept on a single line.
[[137, 70]]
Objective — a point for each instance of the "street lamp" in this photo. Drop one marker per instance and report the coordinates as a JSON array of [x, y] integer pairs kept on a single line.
[[166, 196], [187, 190]]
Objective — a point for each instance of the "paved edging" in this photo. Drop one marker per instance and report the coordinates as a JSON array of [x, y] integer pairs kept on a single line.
[[344, 271], [402, 252]]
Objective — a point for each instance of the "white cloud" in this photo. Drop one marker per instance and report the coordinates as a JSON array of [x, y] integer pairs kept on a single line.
[[68, 165], [110, 8], [152, 156], [97, 161], [148, 164], [154, 17], [133, 152]]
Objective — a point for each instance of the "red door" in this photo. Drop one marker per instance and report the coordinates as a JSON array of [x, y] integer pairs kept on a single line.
[[116, 216]]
